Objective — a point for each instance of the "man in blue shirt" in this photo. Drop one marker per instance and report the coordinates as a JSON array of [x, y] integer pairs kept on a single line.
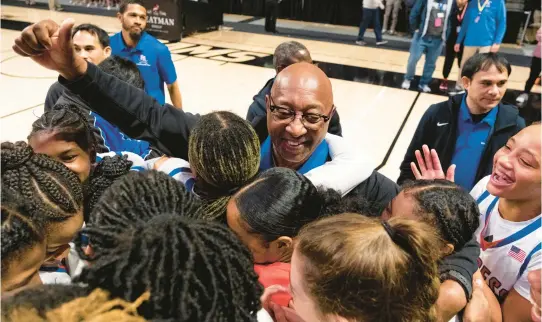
[[151, 56], [467, 130]]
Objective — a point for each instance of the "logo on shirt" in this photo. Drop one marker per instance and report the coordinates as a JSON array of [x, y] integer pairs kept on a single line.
[[517, 254], [143, 61], [441, 124]]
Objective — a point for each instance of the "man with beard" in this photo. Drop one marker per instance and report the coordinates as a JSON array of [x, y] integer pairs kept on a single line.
[[151, 56], [467, 130]]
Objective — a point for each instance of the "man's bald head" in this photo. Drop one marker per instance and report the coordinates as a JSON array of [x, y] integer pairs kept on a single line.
[[290, 52], [305, 78]]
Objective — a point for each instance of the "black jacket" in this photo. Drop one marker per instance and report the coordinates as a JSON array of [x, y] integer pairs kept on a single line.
[[257, 108], [141, 117], [443, 138]]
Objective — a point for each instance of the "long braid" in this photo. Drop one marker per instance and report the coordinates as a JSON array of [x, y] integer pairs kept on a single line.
[[195, 270], [447, 207], [51, 188], [224, 151]]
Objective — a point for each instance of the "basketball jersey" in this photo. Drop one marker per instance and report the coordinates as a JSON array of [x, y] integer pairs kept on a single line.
[[509, 250]]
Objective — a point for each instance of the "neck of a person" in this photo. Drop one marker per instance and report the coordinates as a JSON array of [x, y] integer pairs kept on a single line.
[[519, 210], [128, 39], [475, 108]]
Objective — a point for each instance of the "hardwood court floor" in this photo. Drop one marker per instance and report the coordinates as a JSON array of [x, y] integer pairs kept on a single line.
[[222, 70]]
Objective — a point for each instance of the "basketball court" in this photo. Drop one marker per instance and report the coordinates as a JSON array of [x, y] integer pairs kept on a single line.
[[224, 69]]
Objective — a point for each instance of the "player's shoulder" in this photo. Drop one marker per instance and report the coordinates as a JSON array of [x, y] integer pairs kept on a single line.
[[155, 43]]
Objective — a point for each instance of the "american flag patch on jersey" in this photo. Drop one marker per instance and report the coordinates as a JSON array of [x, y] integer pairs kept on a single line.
[[517, 254]]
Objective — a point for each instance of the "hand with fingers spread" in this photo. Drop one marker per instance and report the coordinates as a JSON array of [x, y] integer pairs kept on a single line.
[[430, 167], [50, 45]]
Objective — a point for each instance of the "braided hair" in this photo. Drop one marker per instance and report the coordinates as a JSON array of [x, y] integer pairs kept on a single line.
[[71, 124], [21, 228], [224, 151], [51, 188], [447, 207], [195, 270]]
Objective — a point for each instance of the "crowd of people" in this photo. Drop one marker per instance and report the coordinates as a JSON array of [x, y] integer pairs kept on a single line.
[[122, 207]]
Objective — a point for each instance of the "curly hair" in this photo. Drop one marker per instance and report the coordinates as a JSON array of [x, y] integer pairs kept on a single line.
[[48, 186], [195, 270], [447, 207], [394, 263]]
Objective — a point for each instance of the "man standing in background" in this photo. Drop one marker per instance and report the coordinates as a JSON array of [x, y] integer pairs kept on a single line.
[[482, 31], [271, 15], [151, 56]]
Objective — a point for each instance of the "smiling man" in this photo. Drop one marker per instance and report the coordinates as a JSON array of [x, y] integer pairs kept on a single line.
[[468, 129]]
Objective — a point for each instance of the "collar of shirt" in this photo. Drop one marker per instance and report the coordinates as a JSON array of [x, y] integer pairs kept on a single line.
[[317, 158], [138, 47], [464, 114]]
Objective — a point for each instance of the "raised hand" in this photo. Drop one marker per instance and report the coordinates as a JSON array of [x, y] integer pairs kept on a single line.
[[430, 167], [50, 45]]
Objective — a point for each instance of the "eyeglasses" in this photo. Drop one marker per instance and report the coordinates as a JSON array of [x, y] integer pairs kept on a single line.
[[282, 114]]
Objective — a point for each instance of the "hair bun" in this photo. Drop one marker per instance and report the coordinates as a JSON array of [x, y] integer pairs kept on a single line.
[[114, 167], [14, 155]]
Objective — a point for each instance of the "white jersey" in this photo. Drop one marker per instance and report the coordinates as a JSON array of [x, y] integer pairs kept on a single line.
[[509, 250]]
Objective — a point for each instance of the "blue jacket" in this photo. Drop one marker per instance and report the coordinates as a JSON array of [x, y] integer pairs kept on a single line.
[[490, 27], [419, 15]]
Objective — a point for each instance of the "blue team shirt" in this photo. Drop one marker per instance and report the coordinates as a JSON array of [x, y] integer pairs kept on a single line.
[[470, 144], [480, 29], [153, 60]]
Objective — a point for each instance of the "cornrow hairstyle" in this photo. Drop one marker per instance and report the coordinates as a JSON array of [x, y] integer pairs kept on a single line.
[[69, 303], [21, 228], [281, 201], [195, 270], [52, 190], [394, 263], [71, 124], [224, 151], [447, 207], [104, 174]]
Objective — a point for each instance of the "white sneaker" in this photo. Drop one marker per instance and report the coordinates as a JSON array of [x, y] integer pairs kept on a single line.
[[384, 31], [405, 84], [425, 89], [522, 98], [361, 42], [380, 43]]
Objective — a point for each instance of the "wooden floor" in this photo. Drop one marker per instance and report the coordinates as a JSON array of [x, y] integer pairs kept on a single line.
[[372, 116]]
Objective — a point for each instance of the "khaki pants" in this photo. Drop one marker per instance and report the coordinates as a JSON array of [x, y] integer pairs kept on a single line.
[[468, 52], [394, 5]]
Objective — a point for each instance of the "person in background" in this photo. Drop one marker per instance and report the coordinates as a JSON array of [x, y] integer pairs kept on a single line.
[[535, 70], [455, 26], [468, 129], [271, 15], [432, 21], [394, 5], [286, 54], [371, 13], [151, 56], [482, 31]]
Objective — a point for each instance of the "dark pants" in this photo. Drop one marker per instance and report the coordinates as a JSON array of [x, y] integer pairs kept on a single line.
[[451, 54], [370, 15], [271, 14], [535, 72]]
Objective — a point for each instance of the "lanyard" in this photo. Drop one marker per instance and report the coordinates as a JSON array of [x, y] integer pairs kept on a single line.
[[481, 7], [460, 17]]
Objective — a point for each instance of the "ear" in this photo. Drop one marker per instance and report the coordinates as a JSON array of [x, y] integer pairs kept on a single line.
[[107, 51], [285, 242], [119, 16], [447, 249], [466, 82], [267, 102], [282, 246]]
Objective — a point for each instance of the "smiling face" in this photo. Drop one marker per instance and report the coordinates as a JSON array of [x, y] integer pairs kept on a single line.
[[68, 153], [486, 89], [516, 167], [302, 88]]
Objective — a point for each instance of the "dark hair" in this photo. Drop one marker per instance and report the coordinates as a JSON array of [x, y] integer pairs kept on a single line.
[[447, 207], [124, 70], [104, 174], [281, 201], [195, 270], [71, 124], [21, 228], [94, 30], [224, 151], [394, 263], [125, 3], [52, 190], [290, 52], [480, 62]]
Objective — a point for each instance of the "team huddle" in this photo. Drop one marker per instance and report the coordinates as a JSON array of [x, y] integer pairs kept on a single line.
[[121, 207]]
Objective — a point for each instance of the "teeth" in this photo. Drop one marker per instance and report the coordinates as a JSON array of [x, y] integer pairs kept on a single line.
[[292, 143]]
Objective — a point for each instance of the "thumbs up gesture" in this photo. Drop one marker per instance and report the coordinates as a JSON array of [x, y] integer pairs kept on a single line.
[[50, 45]]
